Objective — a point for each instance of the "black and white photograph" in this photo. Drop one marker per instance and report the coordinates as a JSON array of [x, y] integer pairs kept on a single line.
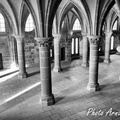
[[59, 59]]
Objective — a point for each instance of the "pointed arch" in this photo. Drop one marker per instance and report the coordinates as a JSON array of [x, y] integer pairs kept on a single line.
[[68, 6], [27, 9], [8, 20], [114, 18], [115, 25], [106, 8]]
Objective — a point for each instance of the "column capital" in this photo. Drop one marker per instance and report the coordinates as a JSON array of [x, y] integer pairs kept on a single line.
[[93, 39], [45, 41], [57, 35], [19, 36]]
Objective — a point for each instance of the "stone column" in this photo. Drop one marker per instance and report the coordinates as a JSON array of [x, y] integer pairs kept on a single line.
[[80, 46], [21, 56], [85, 51], [107, 46], [57, 53], [47, 98], [69, 40], [93, 70]]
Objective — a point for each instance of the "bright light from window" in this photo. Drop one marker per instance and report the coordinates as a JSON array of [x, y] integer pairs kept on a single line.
[[50, 52], [72, 45], [76, 25], [2, 23], [76, 47], [112, 43], [63, 24], [115, 25], [29, 24]]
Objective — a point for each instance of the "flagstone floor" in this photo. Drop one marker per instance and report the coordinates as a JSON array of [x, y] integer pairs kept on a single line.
[[20, 98]]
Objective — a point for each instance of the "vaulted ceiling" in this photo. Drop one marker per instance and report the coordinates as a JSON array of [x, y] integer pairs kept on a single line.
[[91, 13]]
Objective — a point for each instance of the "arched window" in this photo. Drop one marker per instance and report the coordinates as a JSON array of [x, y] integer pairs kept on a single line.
[[29, 24], [75, 40], [115, 25], [77, 25], [2, 23]]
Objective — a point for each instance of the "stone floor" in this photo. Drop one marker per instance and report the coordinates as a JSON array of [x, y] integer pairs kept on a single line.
[[19, 98]]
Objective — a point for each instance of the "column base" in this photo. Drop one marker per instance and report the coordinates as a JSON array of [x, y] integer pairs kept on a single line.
[[47, 101], [22, 75], [93, 87], [107, 60], [57, 69], [85, 65]]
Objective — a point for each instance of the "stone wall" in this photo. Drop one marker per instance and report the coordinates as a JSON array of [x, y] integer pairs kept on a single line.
[[31, 49], [117, 41], [5, 50], [9, 53]]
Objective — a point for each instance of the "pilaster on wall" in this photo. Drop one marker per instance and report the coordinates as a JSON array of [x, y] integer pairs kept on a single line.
[[21, 56], [57, 53], [47, 98], [93, 84], [85, 51], [107, 46]]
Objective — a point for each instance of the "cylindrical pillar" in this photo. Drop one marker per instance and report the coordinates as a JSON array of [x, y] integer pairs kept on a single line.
[[80, 46], [85, 51], [93, 66], [57, 53], [21, 56], [47, 98], [68, 45], [107, 46]]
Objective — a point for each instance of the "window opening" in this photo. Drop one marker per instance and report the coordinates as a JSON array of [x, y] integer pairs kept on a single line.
[[2, 23], [29, 24], [77, 25]]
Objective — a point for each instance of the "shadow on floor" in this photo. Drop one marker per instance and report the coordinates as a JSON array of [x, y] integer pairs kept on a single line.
[[33, 73], [82, 94], [58, 99]]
